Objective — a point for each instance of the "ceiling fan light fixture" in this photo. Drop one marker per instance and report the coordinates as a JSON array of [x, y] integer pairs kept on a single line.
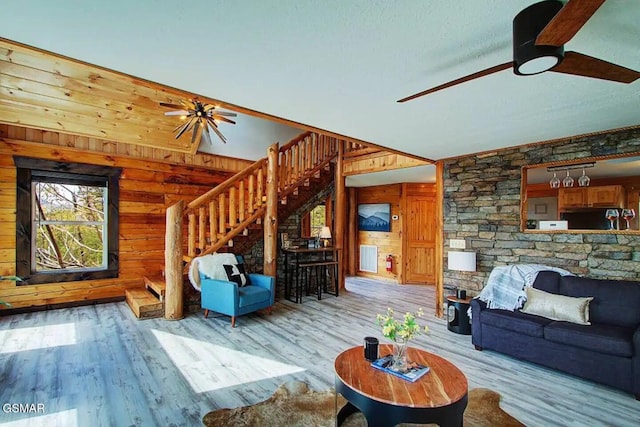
[[529, 59]]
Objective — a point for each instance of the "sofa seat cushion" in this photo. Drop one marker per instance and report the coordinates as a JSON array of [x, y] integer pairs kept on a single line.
[[607, 339], [515, 321], [252, 294]]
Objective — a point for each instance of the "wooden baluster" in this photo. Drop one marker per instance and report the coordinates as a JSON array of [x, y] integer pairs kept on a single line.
[[222, 215], [192, 235], [252, 196], [260, 186], [213, 222], [287, 169], [242, 206], [202, 227], [309, 152], [280, 170], [325, 148], [233, 208], [318, 152], [294, 172]]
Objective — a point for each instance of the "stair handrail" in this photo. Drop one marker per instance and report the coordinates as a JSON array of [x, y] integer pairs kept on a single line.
[[294, 141], [220, 188]]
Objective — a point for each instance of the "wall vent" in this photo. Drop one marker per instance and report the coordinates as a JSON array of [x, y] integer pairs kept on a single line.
[[369, 258]]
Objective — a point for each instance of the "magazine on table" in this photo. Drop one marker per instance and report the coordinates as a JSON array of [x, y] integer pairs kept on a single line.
[[413, 372]]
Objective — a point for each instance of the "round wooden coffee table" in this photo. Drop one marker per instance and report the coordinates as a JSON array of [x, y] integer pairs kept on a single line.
[[440, 396]]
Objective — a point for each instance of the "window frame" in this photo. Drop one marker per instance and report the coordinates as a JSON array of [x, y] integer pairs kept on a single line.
[[29, 170]]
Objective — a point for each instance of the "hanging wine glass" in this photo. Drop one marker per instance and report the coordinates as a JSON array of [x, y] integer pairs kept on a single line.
[[628, 215], [555, 181], [584, 180], [612, 215], [567, 181]]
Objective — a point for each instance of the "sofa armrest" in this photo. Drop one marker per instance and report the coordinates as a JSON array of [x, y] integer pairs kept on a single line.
[[220, 295], [266, 282], [476, 328]]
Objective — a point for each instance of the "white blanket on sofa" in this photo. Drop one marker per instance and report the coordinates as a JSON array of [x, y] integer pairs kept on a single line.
[[211, 266], [505, 286]]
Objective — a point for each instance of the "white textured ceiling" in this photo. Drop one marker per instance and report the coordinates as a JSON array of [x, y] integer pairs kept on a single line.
[[341, 65]]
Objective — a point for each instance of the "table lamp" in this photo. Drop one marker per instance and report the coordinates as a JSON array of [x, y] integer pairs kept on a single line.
[[325, 235], [461, 261]]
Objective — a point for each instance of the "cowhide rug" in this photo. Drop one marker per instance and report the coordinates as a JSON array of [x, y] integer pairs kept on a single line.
[[294, 404]]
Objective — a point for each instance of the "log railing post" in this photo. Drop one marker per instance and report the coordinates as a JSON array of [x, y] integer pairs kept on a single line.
[[341, 211], [271, 215], [173, 262]]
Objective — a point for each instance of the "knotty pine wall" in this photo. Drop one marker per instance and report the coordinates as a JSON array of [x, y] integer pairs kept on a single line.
[[151, 180], [388, 243]]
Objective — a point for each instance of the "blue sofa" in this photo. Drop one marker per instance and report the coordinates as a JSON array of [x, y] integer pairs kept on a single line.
[[229, 298], [607, 351]]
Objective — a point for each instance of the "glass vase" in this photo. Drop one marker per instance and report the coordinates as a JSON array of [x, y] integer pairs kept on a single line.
[[399, 355]]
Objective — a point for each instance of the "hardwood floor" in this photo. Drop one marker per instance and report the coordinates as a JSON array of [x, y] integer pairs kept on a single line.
[[99, 366]]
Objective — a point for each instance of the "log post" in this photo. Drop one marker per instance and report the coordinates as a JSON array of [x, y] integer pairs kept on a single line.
[[173, 262], [341, 211], [353, 232], [439, 238], [271, 214]]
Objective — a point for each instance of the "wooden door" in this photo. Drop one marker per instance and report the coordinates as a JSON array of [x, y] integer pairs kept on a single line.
[[420, 259]]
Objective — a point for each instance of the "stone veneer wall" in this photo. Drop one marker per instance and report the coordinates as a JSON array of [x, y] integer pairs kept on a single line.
[[291, 225], [482, 206]]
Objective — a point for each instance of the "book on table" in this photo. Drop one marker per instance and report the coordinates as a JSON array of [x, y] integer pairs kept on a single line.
[[413, 372]]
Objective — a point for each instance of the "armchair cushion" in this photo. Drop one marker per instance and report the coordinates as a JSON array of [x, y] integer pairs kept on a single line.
[[253, 295], [236, 273]]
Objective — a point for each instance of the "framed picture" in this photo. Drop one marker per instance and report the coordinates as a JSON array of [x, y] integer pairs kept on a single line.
[[541, 208], [374, 217]]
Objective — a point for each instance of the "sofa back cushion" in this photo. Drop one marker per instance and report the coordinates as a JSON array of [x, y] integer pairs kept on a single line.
[[615, 302], [548, 281]]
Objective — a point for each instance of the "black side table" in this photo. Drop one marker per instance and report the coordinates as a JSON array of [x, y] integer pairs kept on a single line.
[[458, 320]]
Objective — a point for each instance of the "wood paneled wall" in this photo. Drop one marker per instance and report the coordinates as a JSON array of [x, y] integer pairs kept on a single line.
[[392, 243], [151, 181], [388, 243]]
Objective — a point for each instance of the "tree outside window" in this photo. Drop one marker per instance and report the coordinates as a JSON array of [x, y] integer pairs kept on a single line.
[[70, 224]]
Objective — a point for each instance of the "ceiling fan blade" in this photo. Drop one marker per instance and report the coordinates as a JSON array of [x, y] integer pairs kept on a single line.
[[223, 119], [225, 113], [220, 135], [567, 22], [180, 127], [197, 132], [464, 79], [187, 126], [580, 64], [206, 134], [177, 113], [174, 106]]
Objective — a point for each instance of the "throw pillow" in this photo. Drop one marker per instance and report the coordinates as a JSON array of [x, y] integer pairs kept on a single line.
[[236, 273], [557, 307]]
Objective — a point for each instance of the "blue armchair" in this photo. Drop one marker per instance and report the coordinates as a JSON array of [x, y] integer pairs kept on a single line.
[[226, 297]]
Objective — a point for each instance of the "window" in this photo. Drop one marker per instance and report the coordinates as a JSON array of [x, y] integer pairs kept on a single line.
[[67, 221], [313, 221], [317, 220]]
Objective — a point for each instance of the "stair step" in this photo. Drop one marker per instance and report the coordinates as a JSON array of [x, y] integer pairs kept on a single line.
[[157, 285], [143, 304]]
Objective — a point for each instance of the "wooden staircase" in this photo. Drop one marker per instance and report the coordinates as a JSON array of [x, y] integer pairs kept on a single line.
[[229, 216]]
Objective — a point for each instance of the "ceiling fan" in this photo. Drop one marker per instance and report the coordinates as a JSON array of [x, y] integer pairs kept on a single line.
[[539, 34], [199, 117]]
